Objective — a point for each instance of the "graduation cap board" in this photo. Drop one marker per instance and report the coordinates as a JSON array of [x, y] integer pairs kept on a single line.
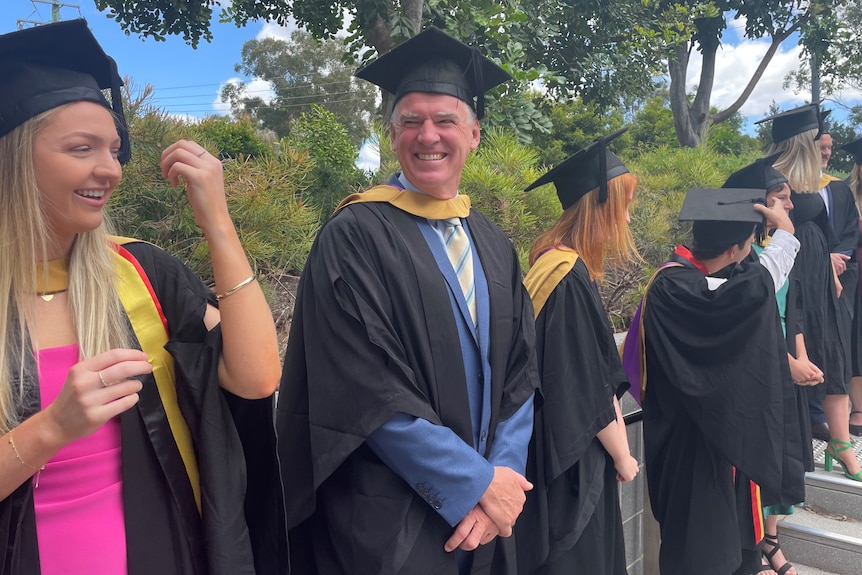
[[723, 216], [433, 62], [589, 168], [47, 66], [760, 175], [855, 148], [787, 124]]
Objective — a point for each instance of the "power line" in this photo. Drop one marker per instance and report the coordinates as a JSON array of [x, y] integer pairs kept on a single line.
[[264, 106], [258, 91]]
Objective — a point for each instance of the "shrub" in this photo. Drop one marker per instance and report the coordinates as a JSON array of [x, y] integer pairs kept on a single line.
[[275, 227], [334, 174], [232, 138]]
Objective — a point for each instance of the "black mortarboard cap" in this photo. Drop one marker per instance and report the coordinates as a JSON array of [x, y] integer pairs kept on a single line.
[[589, 168], [723, 216], [855, 148], [435, 63], [759, 175], [787, 124], [54, 64]]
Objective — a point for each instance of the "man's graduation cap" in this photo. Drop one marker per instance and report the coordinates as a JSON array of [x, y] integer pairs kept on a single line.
[[855, 148], [787, 124], [588, 168], [47, 66], [435, 63], [760, 175], [721, 217]]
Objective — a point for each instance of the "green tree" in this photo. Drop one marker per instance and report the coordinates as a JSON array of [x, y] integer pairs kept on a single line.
[[379, 24], [302, 72], [607, 51], [574, 125], [705, 23], [335, 175], [263, 194], [233, 138], [596, 49], [653, 124]]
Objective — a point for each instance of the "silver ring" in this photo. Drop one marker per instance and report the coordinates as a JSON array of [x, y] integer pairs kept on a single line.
[[102, 379], [201, 154]]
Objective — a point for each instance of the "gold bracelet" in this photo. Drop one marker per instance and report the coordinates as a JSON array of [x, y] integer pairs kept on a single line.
[[237, 287], [19, 458]]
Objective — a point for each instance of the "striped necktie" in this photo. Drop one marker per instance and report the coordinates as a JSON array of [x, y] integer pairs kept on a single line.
[[461, 256]]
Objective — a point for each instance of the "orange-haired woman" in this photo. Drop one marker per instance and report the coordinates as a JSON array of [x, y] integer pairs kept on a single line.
[[571, 522]]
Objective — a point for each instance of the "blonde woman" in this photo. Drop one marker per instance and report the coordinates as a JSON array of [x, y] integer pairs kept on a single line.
[[126, 393], [794, 135], [571, 522]]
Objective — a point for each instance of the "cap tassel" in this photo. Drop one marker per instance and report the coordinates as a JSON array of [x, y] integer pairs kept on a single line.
[[117, 105], [603, 171], [476, 60]]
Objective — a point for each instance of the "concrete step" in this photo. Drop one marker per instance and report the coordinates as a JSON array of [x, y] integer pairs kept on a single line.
[[822, 539], [834, 493], [808, 570]]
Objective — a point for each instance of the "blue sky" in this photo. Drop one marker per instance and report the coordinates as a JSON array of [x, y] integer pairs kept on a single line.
[[187, 81]]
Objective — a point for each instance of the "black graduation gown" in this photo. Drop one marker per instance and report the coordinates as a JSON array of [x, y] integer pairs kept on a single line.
[[718, 392], [813, 267], [374, 335], [571, 522], [793, 323], [844, 218], [856, 334], [234, 440]]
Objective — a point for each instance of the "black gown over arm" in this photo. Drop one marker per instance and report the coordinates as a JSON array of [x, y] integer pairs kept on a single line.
[[374, 335], [239, 528], [718, 392], [571, 522]]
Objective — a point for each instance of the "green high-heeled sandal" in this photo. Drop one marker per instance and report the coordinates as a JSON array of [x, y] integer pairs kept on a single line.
[[837, 447]]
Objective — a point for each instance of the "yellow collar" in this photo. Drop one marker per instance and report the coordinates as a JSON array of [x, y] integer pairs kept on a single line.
[[825, 179], [415, 203], [52, 277]]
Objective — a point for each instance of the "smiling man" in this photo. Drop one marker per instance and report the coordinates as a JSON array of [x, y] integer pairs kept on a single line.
[[406, 401]]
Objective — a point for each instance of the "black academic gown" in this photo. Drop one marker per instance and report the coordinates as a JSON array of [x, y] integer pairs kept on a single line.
[[824, 341], [571, 522], [844, 219], [794, 325], [718, 392], [374, 335], [234, 440]]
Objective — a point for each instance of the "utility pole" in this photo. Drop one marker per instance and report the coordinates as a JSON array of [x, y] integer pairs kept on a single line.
[[56, 6]]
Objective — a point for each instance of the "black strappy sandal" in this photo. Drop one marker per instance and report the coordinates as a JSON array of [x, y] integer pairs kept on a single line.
[[773, 541]]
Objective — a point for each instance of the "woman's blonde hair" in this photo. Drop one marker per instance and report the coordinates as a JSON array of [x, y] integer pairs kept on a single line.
[[800, 161], [598, 232], [94, 305]]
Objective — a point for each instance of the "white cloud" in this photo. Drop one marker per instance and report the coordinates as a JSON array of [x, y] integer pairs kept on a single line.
[[733, 69], [257, 88], [736, 61], [272, 30]]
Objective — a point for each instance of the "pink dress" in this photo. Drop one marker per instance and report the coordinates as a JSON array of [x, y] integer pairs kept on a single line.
[[79, 502]]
